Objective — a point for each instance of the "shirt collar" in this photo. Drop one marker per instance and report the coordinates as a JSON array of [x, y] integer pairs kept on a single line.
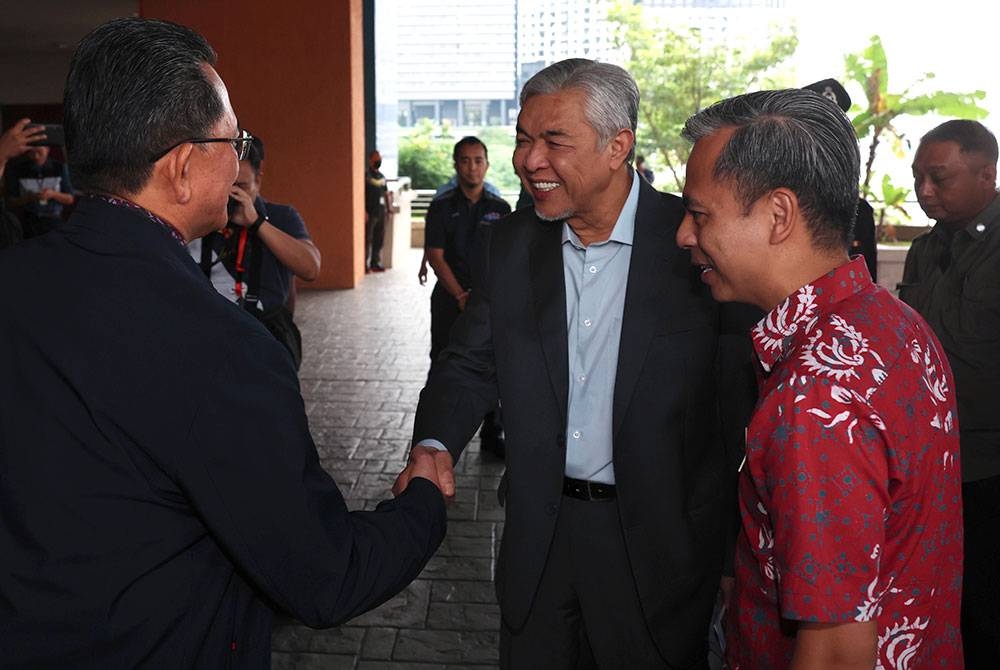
[[118, 201], [985, 220], [774, 336], [977, 228], [624, 230]]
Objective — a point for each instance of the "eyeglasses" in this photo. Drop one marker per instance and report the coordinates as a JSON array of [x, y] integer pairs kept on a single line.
[[241, 145]]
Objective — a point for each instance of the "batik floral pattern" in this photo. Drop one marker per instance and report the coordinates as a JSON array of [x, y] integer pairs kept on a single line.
[[850, 492]]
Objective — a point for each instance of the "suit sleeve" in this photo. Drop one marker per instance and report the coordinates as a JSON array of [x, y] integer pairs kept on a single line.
[[462, 385], [737, 393], [253, 475]]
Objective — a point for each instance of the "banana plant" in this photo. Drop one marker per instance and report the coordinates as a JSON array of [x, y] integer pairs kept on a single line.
[[875, 121]]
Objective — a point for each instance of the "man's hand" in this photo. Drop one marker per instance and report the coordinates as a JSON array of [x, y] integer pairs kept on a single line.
[[462, 298], [429, 463], [244, 213], [726, 587], [845, 646], [422, 272], [15, 141]]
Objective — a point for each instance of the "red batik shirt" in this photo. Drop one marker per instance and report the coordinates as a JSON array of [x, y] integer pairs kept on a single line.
[[850, 495]]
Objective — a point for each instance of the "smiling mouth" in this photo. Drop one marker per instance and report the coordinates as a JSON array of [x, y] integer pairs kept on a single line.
[[545, 186]]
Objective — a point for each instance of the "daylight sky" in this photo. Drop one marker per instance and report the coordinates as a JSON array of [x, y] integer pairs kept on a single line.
[[954, 39]]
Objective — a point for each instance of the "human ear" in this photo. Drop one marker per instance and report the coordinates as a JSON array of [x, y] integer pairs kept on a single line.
[[783, 214], [989, 174], [620, 146], [175, 168]]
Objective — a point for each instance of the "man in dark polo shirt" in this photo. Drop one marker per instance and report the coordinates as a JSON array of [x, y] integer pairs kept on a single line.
[[39, 187], [458, 223], [264, 248], [951, 278]]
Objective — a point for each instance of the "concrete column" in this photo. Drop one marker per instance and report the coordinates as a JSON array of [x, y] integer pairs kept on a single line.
[[295, 77]]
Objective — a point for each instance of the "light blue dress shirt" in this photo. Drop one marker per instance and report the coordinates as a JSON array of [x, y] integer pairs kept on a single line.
[[596, 277]]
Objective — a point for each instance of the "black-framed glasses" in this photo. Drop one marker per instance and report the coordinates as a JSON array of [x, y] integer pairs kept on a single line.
[[241, 145]]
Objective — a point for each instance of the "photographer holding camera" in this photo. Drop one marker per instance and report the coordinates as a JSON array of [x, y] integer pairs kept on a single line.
[[38, 187], [263, 245]]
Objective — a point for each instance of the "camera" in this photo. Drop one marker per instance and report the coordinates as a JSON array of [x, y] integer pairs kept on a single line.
[[54, 136], [232, 206]]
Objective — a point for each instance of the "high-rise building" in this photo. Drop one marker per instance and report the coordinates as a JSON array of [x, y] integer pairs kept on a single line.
[[552, 30], [456, 61], [465, 62]]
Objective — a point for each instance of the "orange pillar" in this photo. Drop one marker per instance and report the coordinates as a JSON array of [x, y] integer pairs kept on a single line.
[[295, 77]]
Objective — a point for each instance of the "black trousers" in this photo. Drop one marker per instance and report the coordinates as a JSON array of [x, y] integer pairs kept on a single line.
[[981, 578], [586, 613], [374, 237]]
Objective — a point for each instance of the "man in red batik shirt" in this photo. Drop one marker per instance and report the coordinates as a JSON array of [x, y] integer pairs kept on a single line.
[[850, 554]]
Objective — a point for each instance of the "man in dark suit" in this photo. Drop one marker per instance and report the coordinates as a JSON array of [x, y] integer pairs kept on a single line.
[[161, 493], [601, 346]]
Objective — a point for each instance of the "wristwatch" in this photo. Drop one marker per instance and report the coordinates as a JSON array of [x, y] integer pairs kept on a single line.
[[255, 226]]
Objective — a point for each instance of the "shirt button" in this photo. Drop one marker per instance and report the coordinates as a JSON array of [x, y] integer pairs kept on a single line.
[[980, 227], [576, 434], [551, 508], [587, 322], [593, 269], [582, 378]]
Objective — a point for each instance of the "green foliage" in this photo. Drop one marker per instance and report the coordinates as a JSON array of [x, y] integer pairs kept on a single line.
[[425, 155], [680, 72], [500, 141], [870, 69]]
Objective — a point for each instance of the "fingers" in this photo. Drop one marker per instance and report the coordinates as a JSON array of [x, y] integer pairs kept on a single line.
[[429, 463], [246, 213], [445, 474], [402, 481]]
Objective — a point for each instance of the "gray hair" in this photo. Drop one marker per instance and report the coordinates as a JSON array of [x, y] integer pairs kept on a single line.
[[611, 93], [794, 139]]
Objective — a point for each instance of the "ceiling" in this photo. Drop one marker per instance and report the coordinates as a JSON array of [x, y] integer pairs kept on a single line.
[[46, 27]]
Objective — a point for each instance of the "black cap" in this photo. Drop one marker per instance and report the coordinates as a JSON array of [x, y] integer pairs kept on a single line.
[[832, 91]]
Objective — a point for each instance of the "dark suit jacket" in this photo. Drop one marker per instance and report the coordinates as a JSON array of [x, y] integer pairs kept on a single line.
[[159, 488], [675, 480]]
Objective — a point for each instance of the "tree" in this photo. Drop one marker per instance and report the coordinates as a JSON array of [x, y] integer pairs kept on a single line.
[[425, 155], [870, 70], [680, 71]]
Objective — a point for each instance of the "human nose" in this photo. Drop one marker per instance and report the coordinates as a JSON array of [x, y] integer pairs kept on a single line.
[[533, 157], [686, 238], [923, 187]]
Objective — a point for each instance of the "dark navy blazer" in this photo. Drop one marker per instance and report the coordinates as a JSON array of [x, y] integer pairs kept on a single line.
[[159, 489]]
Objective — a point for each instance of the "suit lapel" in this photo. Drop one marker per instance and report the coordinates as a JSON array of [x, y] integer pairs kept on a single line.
[[645, 297], [548, 289]]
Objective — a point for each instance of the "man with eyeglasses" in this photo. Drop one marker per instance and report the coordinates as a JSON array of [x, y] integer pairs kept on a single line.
[[161, 492], [254, 261]]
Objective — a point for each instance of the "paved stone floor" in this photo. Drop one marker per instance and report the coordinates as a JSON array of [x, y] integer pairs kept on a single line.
[[364, 362]]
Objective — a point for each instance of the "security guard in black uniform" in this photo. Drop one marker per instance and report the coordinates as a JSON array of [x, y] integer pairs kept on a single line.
[[458, 225]]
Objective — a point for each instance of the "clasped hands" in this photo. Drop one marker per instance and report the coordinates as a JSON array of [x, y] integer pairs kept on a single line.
[[429, 463]]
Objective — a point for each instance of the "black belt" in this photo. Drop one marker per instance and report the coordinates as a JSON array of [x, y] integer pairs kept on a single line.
[[584, 490]]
